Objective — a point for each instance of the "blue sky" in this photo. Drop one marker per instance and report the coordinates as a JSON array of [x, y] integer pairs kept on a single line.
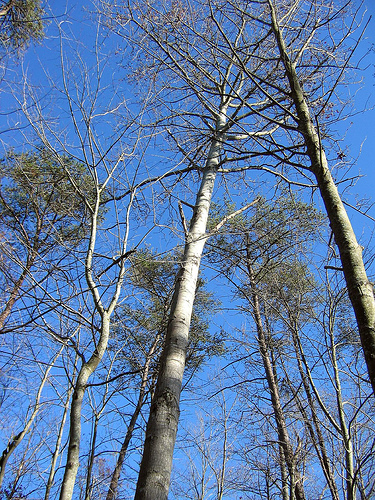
[[360, 132], [357, 130]]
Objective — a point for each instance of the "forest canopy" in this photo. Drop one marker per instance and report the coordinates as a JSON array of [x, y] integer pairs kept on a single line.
[[187, 306]]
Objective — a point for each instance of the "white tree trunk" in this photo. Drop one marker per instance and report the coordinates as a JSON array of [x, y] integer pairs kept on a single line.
[[87, 369], [156, 465]]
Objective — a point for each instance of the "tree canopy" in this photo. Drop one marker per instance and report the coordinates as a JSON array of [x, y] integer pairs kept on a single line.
[[21, 22], [187, 307]]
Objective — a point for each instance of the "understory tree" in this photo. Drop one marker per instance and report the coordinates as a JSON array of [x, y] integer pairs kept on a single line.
[[301, 346], [43, 216]]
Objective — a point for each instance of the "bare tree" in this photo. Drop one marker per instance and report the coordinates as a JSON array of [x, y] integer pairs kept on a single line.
[[223, 89], [103, 260], [178, 43], [17, 439], [313, 389], [359, 287]]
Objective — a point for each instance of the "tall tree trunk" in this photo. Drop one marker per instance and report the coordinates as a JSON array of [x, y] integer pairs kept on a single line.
[[156, 464], [360, 290], [284, 475], [296, 485], [88, 367], [112, 490]]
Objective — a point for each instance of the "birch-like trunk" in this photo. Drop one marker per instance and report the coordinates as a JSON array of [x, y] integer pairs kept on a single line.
[[88, 367], [86, 370], [360, 289], [156, 464]]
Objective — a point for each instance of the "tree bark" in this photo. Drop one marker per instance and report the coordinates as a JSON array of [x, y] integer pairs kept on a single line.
[[360, 289], [156, 464]]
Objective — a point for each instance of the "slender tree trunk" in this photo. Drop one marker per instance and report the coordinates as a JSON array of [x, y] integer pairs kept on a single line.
[[296, 485], [317, 436], [156, 465], [112, 490], [284, 475], [90, 465], [341, 427], [16, 440], [86, 370], [345, 433], [360, 290], [56, 452]]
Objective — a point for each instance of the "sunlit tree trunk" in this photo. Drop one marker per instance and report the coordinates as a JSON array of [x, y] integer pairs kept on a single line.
[[156, 465], [345, 431], [86, 370], [88, 367], [360, 289]]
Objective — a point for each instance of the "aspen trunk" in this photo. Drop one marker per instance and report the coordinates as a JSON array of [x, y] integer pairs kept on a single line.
[[156, 464], [360, 290]]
